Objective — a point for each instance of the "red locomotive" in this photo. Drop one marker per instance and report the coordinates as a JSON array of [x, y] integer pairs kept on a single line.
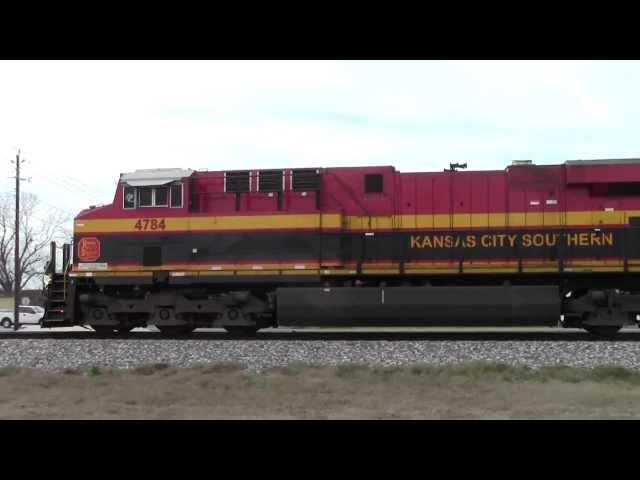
[[528, 245]]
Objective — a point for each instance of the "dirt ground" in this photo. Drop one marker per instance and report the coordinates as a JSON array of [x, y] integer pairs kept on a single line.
[[226, 391]]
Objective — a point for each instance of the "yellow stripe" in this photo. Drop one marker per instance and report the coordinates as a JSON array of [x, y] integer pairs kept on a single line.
[[595, 263], [111, 274], [374, 271], [335, 220], [339, 271], [195, 224], [211, 273], [257, 272], [214, 268], [433, 270], [581, 269], [300, 272], [537, 269], [425, 268], [491, 270]]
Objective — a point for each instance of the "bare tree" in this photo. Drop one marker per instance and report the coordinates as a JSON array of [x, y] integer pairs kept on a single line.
[[38, 228]]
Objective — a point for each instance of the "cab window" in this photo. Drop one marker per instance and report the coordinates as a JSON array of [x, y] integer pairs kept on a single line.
[[161, 196], [145, 196], [129, 197], [176, 195]]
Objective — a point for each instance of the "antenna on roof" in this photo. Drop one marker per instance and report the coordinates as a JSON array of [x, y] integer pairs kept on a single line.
[[455, 166]]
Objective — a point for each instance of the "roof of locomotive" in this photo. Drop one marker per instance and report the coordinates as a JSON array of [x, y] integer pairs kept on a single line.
[[609, 161], [154, 176], [161, 176]]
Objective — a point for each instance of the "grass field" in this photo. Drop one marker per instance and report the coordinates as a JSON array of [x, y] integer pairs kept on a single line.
[[226, 391]]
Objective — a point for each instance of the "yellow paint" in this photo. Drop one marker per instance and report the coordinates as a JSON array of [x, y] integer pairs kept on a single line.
[[113, 274], [257, 272], [490, 270], [431, 270], [336, 221], [300, 272], [214, 273], [535, 269], [375, 271], [392, 269], [195, 224]]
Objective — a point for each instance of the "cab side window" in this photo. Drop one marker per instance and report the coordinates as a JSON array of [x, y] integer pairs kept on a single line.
[[145, 196], [129, 197], [161, 196], [176, 195]]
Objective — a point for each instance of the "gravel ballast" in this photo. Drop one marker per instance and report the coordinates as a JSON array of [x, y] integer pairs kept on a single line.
[[58, 354]]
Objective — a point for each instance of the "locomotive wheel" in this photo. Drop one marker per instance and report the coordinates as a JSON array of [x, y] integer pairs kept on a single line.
[[242, 331], [604, 330], [175, 330], [6, 323]]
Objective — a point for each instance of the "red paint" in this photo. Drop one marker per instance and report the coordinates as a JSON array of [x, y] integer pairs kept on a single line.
[[512, 190]]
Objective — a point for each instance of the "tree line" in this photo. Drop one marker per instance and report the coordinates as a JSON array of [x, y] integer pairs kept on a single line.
[[39, 226]]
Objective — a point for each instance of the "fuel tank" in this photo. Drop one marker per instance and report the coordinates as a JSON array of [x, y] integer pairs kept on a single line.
[[419, 306]]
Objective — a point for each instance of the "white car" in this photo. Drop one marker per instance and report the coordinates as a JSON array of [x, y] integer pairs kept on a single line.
[[29, 315]]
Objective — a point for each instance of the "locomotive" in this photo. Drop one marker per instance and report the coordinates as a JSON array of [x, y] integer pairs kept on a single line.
[[542, 245]]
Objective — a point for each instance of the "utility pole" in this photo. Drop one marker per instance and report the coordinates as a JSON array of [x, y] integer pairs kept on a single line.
[[16, 271]]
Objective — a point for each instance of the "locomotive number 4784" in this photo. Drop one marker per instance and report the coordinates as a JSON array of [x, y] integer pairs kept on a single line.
[[150, 224]]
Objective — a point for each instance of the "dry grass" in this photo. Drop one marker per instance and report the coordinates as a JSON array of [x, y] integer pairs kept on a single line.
[[349, 391]]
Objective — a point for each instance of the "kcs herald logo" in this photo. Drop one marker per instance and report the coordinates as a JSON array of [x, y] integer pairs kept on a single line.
[[88, 249]]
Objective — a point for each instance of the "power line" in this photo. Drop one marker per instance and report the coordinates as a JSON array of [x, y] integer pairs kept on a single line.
[[69, 188], [77, 183]]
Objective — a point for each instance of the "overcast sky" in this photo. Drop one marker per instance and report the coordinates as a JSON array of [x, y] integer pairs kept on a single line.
[[80, 124]]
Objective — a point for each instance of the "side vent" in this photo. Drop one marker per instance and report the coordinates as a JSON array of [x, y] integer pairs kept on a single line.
[[270, 181], [305, 179], [630, 189], [237, 182]]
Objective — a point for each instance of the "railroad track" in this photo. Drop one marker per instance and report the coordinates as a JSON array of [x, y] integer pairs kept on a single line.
[[506, 335]]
